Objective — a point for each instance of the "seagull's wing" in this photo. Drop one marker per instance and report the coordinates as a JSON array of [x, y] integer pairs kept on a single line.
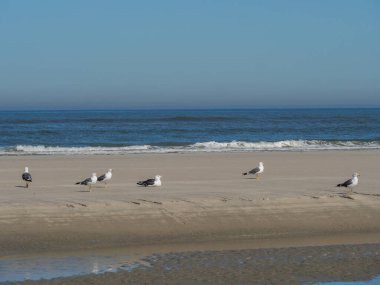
[[27, 177], [346, 183], [146, 182], [84, 182], [101, 178], [254, 171], [149, 181]]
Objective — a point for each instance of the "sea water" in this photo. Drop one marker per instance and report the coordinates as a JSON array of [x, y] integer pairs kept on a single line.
[[161, 131]]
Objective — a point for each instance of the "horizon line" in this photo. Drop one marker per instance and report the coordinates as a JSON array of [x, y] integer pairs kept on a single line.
[[186, 109]]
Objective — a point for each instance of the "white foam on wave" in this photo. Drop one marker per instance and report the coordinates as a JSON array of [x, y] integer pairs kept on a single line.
[[211, 146], [297, 145]]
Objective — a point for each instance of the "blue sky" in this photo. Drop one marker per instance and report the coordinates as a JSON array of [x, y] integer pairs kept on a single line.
[[77, 54]]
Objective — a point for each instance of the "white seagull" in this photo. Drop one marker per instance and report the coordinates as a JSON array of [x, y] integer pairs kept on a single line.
[[350, 183], [256, 171], [89, 181], [105, 177], [151, 182], [27, 177]]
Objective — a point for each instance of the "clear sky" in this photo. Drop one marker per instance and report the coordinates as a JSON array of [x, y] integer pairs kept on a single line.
[[77, 54]]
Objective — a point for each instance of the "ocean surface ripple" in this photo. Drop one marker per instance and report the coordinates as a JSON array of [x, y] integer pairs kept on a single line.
[[162, 131]]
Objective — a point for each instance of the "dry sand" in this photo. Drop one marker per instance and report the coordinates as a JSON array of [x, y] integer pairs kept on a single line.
[[205, 202]]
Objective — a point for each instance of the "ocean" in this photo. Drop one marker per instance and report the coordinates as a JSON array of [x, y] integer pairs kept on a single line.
[[164, 131]]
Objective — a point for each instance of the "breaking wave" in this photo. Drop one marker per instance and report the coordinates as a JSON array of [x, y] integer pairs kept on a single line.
[[211, 146]]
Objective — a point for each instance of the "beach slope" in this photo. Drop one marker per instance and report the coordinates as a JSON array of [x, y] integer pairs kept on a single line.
[[204, 202]]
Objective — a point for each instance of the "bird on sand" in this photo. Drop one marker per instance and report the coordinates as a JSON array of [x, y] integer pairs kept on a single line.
[[105, 177], [156, 181], [256, 171], [350, 183], [27, 177], [89, 181]]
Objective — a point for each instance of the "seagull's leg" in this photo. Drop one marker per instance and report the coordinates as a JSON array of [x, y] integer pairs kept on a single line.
[[258, 177], [27, 185], [89, 188]]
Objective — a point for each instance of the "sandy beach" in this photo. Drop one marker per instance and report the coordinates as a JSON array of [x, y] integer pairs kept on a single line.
[[204, 204]]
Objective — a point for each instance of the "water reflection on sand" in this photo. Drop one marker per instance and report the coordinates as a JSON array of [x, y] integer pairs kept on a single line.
[[349, 264], [44, 267]]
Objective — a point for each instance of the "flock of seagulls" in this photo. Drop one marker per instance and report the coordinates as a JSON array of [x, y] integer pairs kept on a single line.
[[156, 181], [93, 179]]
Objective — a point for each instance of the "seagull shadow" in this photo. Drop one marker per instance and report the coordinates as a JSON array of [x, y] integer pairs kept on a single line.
[[84, 191], [19, 186], [250, 178]]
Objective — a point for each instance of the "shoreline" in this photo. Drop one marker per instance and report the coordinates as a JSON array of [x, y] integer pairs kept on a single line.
[[186, 152], [290, 265]]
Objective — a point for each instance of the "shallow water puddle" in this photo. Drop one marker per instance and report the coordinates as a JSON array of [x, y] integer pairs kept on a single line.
[[299, 265], [36, 268], [374, 281]]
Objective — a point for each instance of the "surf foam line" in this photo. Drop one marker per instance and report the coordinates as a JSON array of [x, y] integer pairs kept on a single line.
[[211, 146]]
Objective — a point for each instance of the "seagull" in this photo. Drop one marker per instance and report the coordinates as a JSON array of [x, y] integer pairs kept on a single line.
[[105, 177], [27, 177], [151, 182], [350, 183], [256, 171], [89, 181]]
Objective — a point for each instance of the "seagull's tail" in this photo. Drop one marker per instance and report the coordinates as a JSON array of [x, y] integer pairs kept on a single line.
[[245, 173], [340, 185], [78, 183]]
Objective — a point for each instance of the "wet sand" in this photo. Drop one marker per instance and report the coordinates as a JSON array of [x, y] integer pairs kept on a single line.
[[295, 265], [204, 204]]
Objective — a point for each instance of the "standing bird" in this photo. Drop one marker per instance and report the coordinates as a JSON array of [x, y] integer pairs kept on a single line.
[[105, 177], [350, 183], [89, 181], [27, 177], [151, 182], [256, 171]]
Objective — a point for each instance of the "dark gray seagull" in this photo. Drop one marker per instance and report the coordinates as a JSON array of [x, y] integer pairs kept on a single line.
[[350, 183], [151, 182], [256, 171], [89, 181], [27, 177]]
